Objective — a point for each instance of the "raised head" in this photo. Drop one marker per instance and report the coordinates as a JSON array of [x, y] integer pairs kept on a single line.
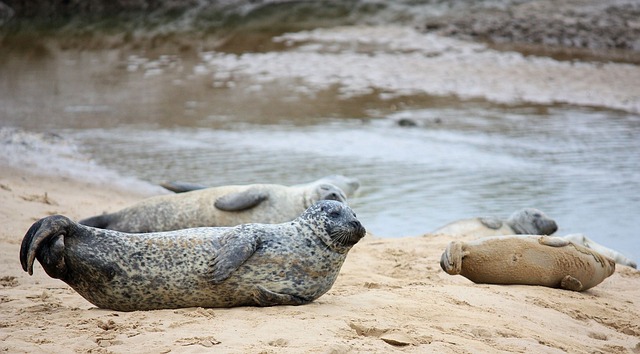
[[336, 224]]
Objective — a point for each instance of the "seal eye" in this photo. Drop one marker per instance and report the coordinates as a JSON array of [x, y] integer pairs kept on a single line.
[[333, 211]]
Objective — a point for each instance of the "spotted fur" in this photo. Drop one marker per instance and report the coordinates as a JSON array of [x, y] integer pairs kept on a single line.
[[292, 263]]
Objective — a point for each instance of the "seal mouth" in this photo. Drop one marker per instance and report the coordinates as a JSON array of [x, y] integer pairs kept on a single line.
[[349, 236]]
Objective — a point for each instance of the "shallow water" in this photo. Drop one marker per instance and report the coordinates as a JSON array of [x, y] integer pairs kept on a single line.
[[214, 119]]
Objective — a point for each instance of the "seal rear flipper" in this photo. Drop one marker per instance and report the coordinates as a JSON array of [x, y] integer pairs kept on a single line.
[[571, 283], [264, 297], [181, 187], [241, 200], [451, 260], [237, 246], [99, 221], [45, 240]]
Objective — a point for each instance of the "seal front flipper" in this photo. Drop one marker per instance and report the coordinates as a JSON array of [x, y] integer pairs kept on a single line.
[[181, 187], [571, 283], [490, 222], [553, 241], [241, 200], [237, 245], [264, 297], [45, 241]]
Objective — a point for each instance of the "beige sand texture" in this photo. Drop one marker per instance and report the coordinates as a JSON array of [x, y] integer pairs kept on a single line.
[[391, 296]]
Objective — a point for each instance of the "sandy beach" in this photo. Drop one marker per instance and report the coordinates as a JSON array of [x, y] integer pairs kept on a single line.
[[391, 296]]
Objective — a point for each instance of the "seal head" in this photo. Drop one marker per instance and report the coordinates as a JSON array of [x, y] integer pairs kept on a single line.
[[531, 221]]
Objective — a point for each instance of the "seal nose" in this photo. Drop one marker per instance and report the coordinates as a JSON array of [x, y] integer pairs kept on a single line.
[[360, 231], [547, 227]]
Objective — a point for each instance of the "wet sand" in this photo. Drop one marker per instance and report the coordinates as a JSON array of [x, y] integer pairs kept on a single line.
[[390, 296]]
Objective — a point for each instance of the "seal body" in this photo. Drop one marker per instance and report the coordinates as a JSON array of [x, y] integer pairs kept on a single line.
[[218, 206], [528, 260], [348, 185], [254, 264], [528, 221]]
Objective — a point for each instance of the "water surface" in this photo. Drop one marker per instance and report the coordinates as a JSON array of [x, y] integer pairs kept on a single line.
[[208, 119]]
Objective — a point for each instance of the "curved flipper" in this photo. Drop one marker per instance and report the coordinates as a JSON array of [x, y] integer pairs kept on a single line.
[[241, 200], [237, 247], [45, 241], [264, 297], [451, 260], [571, 283]]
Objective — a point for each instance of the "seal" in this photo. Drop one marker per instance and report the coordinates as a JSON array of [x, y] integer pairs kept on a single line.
[[582, 240], [348, 185], [217, 206], [527, 221], [529, 260], [292, 263]]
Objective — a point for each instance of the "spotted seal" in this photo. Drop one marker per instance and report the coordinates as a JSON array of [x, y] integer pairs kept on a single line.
[[348, 185], [217, 206], [528, 221], [584, 241], [292, 263], [529, 260]]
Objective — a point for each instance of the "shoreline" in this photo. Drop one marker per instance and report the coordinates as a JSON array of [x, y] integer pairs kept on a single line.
[[391, 295]]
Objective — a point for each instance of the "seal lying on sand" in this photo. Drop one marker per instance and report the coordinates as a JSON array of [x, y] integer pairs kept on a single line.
[[529, 260], [528, 221], [254, 264], [583, 240], [218, 206], [348, 185]]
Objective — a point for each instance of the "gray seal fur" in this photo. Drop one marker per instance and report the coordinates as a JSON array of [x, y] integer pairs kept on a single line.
[[527, 221], [217, 206], [292, 263]]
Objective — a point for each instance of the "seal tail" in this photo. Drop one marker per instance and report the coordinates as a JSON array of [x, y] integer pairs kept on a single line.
[[99, 221], [45, 240]]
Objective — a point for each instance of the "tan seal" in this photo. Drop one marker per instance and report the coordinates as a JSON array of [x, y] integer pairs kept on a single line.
[[528, 260], [528, 221], [218, 206]]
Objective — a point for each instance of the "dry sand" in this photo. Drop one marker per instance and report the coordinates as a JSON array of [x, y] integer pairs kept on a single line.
[[391, 296]]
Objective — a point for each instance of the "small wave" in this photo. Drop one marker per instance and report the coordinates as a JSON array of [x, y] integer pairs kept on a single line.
[[50, 153]]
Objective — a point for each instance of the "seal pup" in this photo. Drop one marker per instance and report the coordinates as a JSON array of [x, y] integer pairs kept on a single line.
[[218, 206], [292, 263], [582, 240], [348, 185], [528, 221], [529, 260]]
